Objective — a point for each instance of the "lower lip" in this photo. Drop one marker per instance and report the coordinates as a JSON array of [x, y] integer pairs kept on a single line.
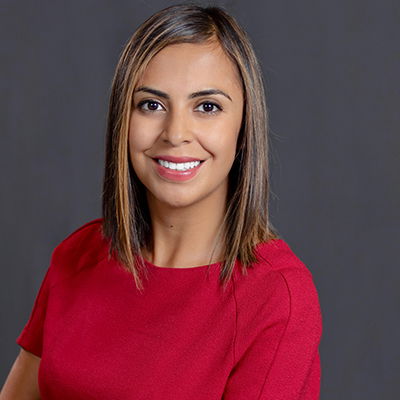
[[175, 175]]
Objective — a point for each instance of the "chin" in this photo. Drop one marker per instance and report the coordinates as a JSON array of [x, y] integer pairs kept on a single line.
[[173, 200], [177, 202]]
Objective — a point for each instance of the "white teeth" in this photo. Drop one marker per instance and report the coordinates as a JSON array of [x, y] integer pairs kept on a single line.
[[179, 166]]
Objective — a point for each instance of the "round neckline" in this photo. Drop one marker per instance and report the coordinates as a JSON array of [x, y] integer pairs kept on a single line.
[[198, 267], [275, 241]]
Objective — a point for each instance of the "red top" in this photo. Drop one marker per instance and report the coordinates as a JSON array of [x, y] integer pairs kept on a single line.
[[183, 337]]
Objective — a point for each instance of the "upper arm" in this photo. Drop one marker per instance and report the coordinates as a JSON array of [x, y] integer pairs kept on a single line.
[[22, 380], [279, 356]]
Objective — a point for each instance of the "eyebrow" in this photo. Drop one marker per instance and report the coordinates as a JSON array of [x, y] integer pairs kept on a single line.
[[200, 93]]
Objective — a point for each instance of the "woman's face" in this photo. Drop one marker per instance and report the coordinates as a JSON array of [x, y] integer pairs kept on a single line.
[[171, 117]]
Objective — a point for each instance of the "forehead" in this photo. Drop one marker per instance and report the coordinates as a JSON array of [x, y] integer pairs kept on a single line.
[[192, 65]]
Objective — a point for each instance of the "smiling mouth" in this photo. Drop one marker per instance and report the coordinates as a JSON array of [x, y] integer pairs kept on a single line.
[[178, 172], [178, 167]]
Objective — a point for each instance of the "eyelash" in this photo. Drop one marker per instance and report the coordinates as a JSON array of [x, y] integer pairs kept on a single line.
[[143, 102]]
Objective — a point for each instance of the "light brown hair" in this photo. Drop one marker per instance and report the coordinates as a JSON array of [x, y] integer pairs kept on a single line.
[[126, 218]]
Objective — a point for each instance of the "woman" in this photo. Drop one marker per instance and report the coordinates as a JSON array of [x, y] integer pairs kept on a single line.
[[183, 289]]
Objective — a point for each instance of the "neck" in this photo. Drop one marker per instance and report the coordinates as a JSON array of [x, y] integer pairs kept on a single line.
[[187, 236]]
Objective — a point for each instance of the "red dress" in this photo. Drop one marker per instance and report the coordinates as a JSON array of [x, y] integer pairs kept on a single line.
[[183, 338]]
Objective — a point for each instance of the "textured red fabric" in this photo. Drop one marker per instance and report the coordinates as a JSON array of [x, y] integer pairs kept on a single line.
[[184, 337]]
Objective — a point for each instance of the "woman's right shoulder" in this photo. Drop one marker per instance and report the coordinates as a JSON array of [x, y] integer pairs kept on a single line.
[[86, 244], [87, 231]]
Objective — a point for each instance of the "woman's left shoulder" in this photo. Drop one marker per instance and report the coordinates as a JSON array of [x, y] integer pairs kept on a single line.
[[280, 272], [276, 255], [284, 275], [280, 286]]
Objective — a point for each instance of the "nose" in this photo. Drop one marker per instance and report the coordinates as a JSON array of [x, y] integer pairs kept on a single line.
[[177, 128]]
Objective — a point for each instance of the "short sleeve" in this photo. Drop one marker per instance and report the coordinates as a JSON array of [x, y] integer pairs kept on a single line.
[[77, 247], [31, 336], [281, 360]]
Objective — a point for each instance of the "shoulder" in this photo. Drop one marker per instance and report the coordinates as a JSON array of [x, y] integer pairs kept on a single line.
[[281, 283], [86, 234], [83, 247], [276, 255], [277, 259]]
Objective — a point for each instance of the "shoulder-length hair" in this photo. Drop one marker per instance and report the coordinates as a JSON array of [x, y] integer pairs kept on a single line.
[[126, 218]]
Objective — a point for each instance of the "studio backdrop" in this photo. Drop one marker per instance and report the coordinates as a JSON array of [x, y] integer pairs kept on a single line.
[[331, 71]]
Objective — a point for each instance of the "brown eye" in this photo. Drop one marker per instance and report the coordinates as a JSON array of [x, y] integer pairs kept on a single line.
[[210, 107], [151, 105]]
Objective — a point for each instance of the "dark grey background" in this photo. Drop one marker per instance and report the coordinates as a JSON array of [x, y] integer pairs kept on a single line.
[[332, 74]]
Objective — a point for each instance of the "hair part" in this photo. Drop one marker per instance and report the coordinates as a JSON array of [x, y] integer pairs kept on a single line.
[[126, 217]]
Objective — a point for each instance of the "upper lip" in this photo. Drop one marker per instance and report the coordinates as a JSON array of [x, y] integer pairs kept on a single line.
[[177, 159]]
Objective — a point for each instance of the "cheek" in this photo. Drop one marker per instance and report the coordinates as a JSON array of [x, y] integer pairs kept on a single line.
[[141, 135], [137, 142], [221, 140]]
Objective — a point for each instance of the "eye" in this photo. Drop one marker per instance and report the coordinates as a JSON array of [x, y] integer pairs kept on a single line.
[[151, 105], [210, 107]]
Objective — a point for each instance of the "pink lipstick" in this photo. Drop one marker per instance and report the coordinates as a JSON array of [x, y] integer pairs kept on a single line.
[[180, 171]]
